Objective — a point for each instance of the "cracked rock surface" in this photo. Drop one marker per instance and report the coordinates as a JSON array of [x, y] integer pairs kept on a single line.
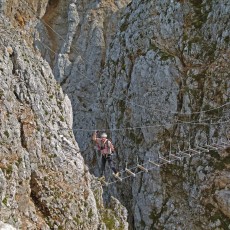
[[142, 69], [44, 182]]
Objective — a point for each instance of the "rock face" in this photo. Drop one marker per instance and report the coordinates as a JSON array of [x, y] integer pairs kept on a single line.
[[44, 182], [144, 70], [79, 36], [168, 61], [6, 226]]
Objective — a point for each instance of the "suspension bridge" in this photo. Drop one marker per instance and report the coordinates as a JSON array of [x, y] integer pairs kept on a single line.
[[161, 160]]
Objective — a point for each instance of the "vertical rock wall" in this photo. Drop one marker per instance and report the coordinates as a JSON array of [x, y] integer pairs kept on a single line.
[[44, 182], [81, 35], [167, 62]]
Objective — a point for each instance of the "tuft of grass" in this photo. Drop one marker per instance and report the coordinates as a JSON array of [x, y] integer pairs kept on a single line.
[[109, 221], [226, 39], [6, 133], [90, 214], [9, 170], [18, 162], [4, 201], [61, 118]]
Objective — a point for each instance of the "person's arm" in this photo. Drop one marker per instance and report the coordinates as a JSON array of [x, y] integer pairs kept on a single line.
[[94, 136], [110, 146]]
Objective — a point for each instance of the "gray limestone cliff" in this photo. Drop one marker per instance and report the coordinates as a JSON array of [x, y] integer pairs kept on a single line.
[[163, 63], [143, 70], [79, 36], [167, 62], [44, 182]]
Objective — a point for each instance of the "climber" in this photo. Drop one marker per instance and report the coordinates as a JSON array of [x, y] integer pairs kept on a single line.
[[105, 147]]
